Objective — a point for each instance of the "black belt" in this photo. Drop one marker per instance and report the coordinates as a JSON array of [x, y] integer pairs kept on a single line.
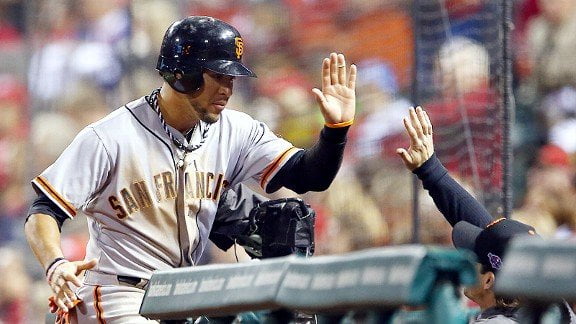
[[133, 281]]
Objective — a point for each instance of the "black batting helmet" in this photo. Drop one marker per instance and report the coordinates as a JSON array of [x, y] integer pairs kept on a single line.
[[196, 43]]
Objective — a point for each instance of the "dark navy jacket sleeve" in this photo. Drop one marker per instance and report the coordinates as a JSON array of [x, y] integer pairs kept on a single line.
[[453, 201]]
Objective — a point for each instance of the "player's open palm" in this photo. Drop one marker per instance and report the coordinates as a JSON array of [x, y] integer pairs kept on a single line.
[[419, 128], [337, 99]]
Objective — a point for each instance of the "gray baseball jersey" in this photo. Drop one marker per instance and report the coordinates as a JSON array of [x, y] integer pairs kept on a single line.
[[149, 204]]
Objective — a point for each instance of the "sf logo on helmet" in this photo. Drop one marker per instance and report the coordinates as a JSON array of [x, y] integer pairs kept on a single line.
[[239, 47]]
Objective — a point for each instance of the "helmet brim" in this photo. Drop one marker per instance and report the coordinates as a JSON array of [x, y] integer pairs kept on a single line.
[[226, 67]]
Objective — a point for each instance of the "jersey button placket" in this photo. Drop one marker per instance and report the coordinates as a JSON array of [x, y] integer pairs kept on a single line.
[[181, 159], [180, 210]]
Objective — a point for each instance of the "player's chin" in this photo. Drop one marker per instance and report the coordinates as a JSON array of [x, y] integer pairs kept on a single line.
[[210, 118]]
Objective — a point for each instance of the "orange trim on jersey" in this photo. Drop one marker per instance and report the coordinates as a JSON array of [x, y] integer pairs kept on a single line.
[[275, 164], [98, 305], [51, 192]]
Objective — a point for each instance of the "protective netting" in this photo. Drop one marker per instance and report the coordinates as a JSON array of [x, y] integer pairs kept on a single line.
[[459, 80]]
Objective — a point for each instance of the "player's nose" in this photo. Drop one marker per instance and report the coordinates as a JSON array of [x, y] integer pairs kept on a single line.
[[226, 88]]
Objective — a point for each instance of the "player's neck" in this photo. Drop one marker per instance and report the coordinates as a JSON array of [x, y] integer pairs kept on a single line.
[[176, 110]]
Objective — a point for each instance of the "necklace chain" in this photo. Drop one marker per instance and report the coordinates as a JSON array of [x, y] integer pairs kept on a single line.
[[152, 100]]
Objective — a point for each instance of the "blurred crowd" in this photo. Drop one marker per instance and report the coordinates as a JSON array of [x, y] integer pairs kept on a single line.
[[66, 63]]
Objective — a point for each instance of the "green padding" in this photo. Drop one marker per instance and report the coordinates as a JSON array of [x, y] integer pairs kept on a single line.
[[377, 278], [214, 290], [539, 270]]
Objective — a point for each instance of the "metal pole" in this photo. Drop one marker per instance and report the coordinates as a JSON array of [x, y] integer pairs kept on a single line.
[[508, 108]]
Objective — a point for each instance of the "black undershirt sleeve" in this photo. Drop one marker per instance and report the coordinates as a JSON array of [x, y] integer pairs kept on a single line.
[[43, 205], [315, 168], [453, 201]]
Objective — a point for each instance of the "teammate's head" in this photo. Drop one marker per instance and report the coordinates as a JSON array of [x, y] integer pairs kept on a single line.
[[198, 43], [489, 245]]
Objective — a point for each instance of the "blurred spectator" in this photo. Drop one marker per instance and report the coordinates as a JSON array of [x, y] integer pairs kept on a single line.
[[525, 11], [552, 44], [12, 47], [392, 190], [84, 102], [463, 115], [10, 32], [13, 155], [281, 81], [355, 221], [547, 78], [312, 24], [377, 29], [558, 111], [381, 110], [149, 21], [14, 288], [439, 22], [376, 135], [47, 143], [462, 67], [550, 201], [89, 49]]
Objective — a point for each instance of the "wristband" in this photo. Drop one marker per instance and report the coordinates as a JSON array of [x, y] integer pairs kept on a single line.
[[340, 125], [55, 263]]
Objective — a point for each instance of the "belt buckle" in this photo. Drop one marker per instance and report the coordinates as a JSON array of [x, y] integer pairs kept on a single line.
[[132, 281]]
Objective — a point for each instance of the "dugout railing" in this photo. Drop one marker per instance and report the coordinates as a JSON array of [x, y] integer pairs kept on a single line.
[[542, 274], [407, 284]]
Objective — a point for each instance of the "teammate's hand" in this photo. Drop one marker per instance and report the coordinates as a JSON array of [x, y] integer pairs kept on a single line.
[[63, 277], [419, 128], [337, 99]]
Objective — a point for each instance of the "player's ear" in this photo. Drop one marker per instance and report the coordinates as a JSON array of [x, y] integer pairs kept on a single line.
[[488, 280]]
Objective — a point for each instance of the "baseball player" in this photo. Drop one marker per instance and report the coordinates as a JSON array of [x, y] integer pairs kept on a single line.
[[473, 226], [149, 175]]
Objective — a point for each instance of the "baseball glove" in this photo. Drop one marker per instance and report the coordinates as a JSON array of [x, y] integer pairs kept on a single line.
[[265, 228]]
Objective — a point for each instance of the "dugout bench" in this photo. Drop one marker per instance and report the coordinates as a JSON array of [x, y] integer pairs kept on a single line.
[[407, 284]]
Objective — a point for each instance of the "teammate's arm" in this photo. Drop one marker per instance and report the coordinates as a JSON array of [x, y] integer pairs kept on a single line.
[[453, 201]]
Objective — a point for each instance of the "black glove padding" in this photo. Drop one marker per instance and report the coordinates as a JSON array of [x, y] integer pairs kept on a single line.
[[265, 228]]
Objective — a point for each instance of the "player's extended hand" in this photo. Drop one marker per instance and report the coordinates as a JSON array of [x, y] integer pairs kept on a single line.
[[337, 99], [419, 128], [61, 279]]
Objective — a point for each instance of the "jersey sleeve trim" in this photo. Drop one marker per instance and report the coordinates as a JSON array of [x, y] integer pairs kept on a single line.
[[273, 168], [42, 184]]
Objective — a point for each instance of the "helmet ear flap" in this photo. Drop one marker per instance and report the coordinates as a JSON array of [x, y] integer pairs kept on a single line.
[[184, 82]]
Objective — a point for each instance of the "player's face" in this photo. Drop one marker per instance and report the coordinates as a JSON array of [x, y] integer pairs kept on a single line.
[[213, 96], [478, 291]]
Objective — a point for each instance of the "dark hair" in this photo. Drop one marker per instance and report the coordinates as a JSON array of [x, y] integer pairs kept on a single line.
[[501, 301]]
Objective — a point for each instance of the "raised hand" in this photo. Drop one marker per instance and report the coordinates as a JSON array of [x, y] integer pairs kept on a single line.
[[61, 279], [419, 128], [337, 99]]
